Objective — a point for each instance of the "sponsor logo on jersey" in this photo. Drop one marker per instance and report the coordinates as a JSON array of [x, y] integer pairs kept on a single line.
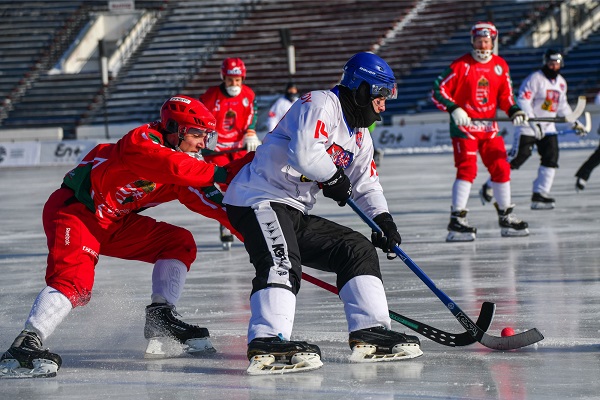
[[134, 191], [306, 98], [527, 95], [341, 157], [373, 168]]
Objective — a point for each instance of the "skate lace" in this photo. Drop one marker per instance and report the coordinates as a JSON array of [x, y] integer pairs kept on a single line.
[[513, 219]]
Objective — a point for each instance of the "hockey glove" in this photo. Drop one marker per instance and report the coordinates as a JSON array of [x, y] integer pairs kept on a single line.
[[538, 132], [390, 236], [579, 129], [234, 167], [251, 141], [460, 117], [519, 118], [338, 187]]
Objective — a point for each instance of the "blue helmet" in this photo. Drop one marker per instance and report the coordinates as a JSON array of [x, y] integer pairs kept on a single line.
[[370, 68]]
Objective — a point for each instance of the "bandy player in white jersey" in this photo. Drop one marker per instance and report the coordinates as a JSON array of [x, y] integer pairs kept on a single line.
[[322, 144], [543, 94]]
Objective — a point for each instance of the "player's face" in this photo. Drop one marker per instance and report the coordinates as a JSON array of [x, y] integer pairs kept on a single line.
[[379, 104], [193, 141], [483, 43], [553, 65], [233, 81]]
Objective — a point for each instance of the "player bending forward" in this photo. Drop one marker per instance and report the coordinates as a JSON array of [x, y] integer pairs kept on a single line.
[[322, 143], [95, 212]]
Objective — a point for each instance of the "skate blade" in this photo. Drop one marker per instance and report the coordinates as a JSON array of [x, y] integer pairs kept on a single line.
[[460, 237], [365, 353], [542, 206], [264, 364], [226, 246], [10, 368], [163, 347], [508, 232], [199, 346]]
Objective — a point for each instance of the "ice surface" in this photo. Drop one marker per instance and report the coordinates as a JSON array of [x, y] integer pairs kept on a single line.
[[549, 280]]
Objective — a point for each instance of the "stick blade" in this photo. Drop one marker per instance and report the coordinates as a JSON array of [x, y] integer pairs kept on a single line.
[[579, 109], [512, 342]]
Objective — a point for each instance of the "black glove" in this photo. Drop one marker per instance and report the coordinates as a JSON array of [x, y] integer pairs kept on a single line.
[[390, 236], [338, 187]]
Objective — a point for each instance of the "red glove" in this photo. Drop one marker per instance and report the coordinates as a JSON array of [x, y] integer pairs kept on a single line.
[[234, 166]]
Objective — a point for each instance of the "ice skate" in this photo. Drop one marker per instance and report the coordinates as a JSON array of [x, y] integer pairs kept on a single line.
[[509, 223], [486, 194], [540, 201], [274, 355], [163, 328], [27, 359], [459, 229], [226, 237], [580, 184], [380, 344]]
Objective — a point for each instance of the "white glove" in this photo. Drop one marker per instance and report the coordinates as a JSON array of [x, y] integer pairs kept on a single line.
[[519, 118], [460, 117], [579, 129], [251, 141]]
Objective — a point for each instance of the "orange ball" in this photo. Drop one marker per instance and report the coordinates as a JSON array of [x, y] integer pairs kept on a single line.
[[507, 332]]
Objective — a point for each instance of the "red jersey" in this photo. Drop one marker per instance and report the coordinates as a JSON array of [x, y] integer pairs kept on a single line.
[[139, 171], [235, 115], [478, 88]]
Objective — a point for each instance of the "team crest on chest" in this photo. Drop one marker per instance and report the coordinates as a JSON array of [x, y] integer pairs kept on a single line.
[[341, 157], [498, 70], [482, 93], [245, 102]]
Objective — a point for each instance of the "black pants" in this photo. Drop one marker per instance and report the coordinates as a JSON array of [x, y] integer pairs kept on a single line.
[[280, 239], [547, 148], [587, 167]]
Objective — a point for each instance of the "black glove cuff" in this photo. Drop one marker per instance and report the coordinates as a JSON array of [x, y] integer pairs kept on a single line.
[[335, 179], [513, 110], [383, 218]]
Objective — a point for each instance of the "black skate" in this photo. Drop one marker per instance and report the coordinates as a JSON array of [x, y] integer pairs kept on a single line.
[[486, 194], [580, 184], [380, 344], [540, 201], [162, 323], [274, 355], [226, 237], [509, 223], [27, 359], [459, 229]]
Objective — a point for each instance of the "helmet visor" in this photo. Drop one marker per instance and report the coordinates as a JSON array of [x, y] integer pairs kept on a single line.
[[387, 91], [210, 137]]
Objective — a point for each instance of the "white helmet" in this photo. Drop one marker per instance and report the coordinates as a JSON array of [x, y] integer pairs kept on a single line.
[[483, 29]]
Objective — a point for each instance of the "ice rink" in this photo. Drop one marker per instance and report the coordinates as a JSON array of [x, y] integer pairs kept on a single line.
[[549, 280]]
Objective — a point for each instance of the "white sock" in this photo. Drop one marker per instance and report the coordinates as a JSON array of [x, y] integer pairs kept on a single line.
[[460, 194], [48, 311], [365, 303], [502, 194], [168, 278], [544, 180], [273, 310]]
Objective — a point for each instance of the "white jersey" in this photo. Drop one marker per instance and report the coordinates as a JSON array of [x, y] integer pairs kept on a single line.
[[306, 147], [541, 97], [277, 111]]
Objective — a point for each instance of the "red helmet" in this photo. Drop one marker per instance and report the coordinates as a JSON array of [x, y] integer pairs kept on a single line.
[[485, 29], [180, 113], [233, 67]]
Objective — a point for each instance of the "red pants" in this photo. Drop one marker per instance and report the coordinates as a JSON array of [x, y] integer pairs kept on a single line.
[[76, 237], [493, 155]]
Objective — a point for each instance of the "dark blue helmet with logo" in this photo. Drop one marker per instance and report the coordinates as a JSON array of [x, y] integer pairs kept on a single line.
[[370, 68]]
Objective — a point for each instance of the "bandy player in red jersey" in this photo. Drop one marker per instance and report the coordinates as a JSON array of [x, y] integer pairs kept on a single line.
[[233, 105], [475, 86], [96, 212]]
